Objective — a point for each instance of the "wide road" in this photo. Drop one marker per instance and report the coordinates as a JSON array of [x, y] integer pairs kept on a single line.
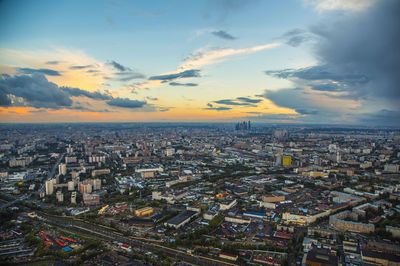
[[55, 167], [109, 234]]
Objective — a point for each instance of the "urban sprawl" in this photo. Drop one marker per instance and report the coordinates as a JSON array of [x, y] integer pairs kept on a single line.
[[199, 194]]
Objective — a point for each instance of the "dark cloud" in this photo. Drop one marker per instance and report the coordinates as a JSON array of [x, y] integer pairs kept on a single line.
[[329, 87], [93, 95], [191, 73], [273, 118], [231, 102], [210, 106], [291, 98], [36, 91], [127, 76], [322, 74], [32, 90], [297, 99], [4, 98], [189, 84], [358, 58], [360, 52], [126, 103], [296, 37], [383, 117], [80, 67], [223, 35], [44, 71], [307, 111], [239, 101], [248, 100], [367, 44], [118, 66], [124, 73]]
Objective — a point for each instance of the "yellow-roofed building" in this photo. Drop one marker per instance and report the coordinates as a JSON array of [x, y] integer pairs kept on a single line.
[[146, 211], [103, 209], [286, 160]]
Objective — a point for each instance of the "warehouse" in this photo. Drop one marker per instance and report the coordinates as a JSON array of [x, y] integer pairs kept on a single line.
[[181, 219]]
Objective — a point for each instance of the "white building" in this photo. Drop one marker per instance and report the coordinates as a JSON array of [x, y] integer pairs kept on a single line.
[[73, 197], [62, 169], [49, 185], [96, 184], [227, 204], [71, 185], [70, 149], [70, 159], [60, 196], [169, 151]]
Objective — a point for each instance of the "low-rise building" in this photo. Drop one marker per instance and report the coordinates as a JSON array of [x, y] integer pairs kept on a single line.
[[146, 211], [181, 219]]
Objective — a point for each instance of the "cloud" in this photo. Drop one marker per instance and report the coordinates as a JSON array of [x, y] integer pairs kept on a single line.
[[44, 71], [32, 90], [80, 67], [210, 106], [127, 76], [273, 118], [36, 91], [123, 73], [296, 37], [92, 71], [60, 60], [248, 100], [321, 73], [358, 62], [346, 5], [325, 78], [315, 105], [223, 35], [361, 51], [79, 92], [239, 101], [163, 109], [152, 98], [231, 102], [189, 84], [382, 117], [198, 60], [291, 98], [126, 103], [118, 66], [307, 111], [191, 73], [207, 57]]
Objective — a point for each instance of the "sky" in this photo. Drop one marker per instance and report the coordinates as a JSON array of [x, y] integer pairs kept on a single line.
[[294, 61]]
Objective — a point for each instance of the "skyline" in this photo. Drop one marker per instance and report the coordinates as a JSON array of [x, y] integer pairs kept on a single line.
[[296, 62]]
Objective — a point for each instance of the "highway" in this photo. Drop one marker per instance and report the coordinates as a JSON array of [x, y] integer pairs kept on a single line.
[[109, 234]]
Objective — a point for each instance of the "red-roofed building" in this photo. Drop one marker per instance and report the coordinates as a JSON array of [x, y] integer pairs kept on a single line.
[[283, 235]]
